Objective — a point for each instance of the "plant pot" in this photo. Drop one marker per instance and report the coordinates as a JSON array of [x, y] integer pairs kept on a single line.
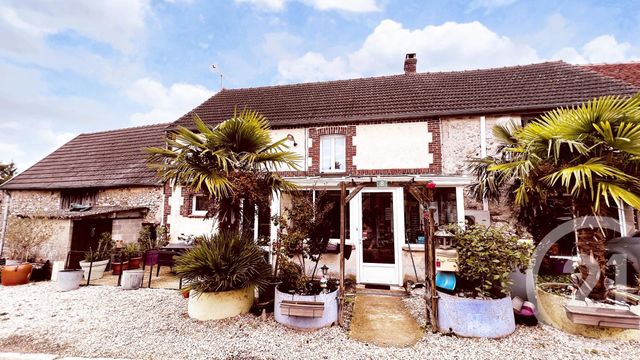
[[132, 279], [311, 319], [220, 305], [134, 263], [16, 274], [491, 318], [185, 293], [151, 257], [97, 271], [551, 310], [117, 267], [68, 280]]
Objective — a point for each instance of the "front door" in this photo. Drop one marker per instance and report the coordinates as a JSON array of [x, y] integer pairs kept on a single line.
[[379, 228]]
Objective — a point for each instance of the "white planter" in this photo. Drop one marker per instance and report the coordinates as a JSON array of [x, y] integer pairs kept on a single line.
[[329, 314], [96, 271], [68, 280], [220, 305], [132, 279]]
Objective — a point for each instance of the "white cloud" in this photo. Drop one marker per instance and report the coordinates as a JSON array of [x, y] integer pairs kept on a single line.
[[165, 103], [357, 6], [450, 46], [603, 48]]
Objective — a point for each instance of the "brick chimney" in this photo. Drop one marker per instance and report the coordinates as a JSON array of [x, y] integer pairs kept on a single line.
[[410, 61]]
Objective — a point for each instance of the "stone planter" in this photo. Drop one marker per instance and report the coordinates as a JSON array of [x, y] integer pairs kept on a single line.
[[97, 271], [132, 279], [551, 310], [68, 280], [220, 305], [309, 320], [492, 318], [16, 274]]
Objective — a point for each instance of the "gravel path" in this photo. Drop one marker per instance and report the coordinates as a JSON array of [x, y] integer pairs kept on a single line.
[[152, 324]]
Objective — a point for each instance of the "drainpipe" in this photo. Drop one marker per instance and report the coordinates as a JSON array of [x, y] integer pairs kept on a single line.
[[483, 152], [5, 218]]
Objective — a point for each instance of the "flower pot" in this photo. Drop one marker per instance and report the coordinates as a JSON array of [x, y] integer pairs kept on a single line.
[[220, 305], [324, 312], [97, 270], [551, 310], [490, 318], [151, 257], [185, 293], [117, 267], [68, 280], [132, 279], [134, 263], [16, 274]]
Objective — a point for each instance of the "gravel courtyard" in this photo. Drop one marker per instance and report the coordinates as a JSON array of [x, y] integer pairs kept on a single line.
[[101, 321]]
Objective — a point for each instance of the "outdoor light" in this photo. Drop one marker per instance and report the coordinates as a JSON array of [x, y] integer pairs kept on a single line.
[[324, 269], [444, 238], [291, 138]]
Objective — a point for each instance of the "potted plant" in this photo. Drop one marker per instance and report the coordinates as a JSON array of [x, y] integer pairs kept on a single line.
[[481, 305], [302, 301], [97, 259], [25, 237], [119, 262], [221, 274], [133, 254], [151, 239]]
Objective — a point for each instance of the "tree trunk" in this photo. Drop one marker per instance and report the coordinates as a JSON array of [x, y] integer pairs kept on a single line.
[[591, 249]]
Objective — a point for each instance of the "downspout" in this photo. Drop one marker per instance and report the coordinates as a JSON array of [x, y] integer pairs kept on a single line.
[[5, 218], [306, 151], [483, 152]]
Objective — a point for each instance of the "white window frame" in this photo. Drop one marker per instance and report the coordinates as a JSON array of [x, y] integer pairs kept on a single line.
[[193, 207], [333, 138]]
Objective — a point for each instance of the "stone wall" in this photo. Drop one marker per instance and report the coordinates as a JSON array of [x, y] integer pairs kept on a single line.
[[126, 230], [150, 197], [34, 202]]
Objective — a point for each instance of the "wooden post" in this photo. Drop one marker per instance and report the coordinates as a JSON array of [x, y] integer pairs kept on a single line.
[[431, 292], [343, 196]]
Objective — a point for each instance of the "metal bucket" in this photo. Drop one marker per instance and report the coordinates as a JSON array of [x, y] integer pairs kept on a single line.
[[132, 279], [68, 280]]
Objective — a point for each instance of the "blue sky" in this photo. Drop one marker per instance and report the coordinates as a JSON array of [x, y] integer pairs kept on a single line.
[[76, 66]]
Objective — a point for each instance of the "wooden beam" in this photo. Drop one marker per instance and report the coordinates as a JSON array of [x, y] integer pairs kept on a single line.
[[353, 193], [343, 204]]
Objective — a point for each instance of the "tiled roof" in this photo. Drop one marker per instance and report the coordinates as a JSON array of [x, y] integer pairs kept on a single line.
[[102, 159], [96, 211], [531, 88], [629, 72]]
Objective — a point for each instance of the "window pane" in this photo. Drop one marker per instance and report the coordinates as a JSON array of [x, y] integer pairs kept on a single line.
[[333, 197], [340, 153], [201, 203], [325, 156], [377, 228]]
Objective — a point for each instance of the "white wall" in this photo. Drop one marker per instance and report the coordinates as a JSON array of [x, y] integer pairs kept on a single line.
[[299, 136], [185, 225], [392, 146]]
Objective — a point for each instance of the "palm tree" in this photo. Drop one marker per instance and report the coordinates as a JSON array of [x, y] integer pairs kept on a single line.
[[589, 153], [234, 163]]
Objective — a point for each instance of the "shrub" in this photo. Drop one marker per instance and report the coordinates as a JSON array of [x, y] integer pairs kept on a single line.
[[26, 236], [150, 238], [102, 251], [486, 257], [223, 262]]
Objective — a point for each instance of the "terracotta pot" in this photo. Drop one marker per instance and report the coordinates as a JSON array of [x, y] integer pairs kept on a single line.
[[134, 263], [185, 293], [118, 267], [16, 275]]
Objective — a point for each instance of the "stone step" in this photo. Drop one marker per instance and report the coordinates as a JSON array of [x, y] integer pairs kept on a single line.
[[397, 291]]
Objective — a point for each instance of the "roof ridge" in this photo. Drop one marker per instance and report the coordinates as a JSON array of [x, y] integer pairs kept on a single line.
[[466, 71], [630, 62]]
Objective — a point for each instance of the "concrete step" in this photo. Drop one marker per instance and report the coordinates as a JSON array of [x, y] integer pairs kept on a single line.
[[397, 291]]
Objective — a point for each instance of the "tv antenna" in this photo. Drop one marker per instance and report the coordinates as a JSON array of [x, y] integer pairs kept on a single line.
[[216, 68]]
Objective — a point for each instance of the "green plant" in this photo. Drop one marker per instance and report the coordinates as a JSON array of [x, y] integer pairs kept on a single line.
[[26, 236], [303, 234], [103, 250], [223, 262], [150, 238], [132, 250], [486, 257], [589, 154], [232, 163]]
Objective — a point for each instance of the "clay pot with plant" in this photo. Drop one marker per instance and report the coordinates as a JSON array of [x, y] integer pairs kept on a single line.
[[24, 240], [150, 240], [119, 262], [133, 255]]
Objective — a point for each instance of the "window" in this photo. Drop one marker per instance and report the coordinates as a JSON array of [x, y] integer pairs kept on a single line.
[[332, 153], [333, 197], [199, 205], [78, 196]]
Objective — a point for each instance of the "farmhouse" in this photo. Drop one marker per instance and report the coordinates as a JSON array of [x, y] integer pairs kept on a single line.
[[390, 131]]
